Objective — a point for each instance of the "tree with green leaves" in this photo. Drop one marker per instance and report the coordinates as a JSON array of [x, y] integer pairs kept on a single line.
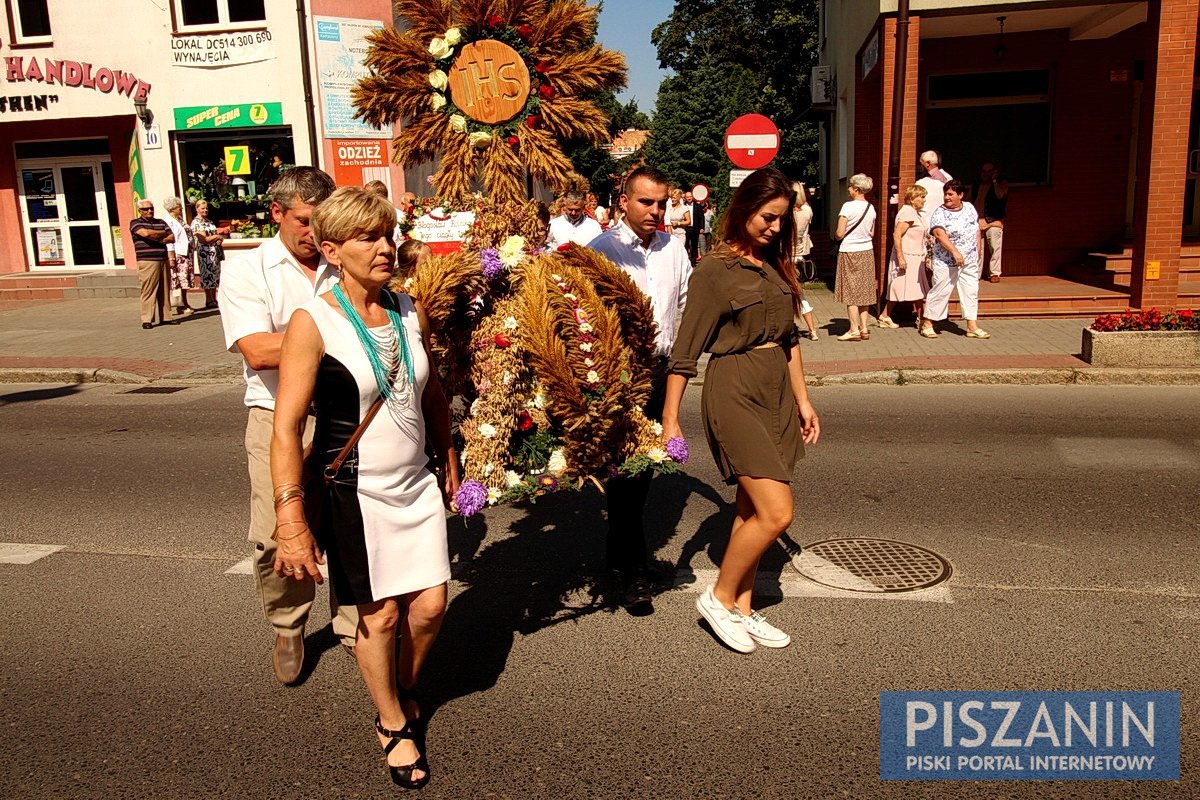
[[733, 57]]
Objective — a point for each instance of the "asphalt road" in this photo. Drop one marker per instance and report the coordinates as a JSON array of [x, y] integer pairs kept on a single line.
[[132, 665]]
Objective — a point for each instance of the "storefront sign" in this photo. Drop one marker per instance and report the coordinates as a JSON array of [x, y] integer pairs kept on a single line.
[[341, 49], [74, 73], [222, 50], [247, 115], [870, 55], [28, 102], [237, 160], [443, 232], [355, 159]]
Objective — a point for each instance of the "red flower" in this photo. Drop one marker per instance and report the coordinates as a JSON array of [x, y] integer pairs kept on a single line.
[[495, 21], [513, 141], [525, 30], [542, 67], [525, 422], [502, 340], [547, 91], [534, 121], [562, 248]]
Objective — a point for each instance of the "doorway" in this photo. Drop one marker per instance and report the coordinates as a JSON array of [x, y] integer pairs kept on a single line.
[[67, 213], [1191, 192]]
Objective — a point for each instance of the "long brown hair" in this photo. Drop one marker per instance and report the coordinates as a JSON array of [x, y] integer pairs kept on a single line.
[[756, 191]]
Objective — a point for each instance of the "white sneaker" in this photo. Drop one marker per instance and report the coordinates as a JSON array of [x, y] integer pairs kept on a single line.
[[726, 624], [764, 632]]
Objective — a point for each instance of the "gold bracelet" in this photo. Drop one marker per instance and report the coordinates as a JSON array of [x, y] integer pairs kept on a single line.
[[287, 498], [286, 493], [283, 486], [275, 533], [277, 538]]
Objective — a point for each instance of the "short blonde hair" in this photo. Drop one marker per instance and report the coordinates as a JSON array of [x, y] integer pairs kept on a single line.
[[861, 182], [914, 191], [801, 195], [351, 211]]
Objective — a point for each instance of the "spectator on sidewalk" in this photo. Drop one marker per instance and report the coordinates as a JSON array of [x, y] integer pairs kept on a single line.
[[151, 242], [679, 217], [854, 285], [259, 291], [803, 215], [209, 252], [179, 257], [695, 225], [907, 282], [934, 179], [990, 195], [958, 241], [573, 226]]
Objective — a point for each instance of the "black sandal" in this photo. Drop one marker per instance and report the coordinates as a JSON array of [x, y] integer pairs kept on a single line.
[[402, 776], [417, 723]]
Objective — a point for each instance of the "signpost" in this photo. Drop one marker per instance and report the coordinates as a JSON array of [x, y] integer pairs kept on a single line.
[[736, 176], [700, 192], [751, 141]]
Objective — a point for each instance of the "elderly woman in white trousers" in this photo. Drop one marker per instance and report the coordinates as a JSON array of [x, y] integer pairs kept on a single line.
[[957, 245]]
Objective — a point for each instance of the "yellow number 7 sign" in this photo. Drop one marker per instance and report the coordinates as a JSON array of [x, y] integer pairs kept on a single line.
[[237, 160]]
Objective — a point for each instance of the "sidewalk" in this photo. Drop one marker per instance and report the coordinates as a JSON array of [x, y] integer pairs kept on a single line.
[[74, 341]]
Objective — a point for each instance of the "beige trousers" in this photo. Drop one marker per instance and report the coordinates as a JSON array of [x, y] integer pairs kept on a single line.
[[156, 290], [994, 238], [286, 602]]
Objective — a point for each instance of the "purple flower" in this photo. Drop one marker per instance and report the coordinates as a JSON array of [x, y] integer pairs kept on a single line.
[[493, 267], [471, 497], [548, 482], [677, 449]]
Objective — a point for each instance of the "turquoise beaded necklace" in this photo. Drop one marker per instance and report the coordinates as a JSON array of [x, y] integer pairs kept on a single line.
[[382, 379]]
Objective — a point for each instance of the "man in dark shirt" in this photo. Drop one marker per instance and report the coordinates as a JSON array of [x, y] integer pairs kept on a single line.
[[692, 236], [991, 201], [150, 239]]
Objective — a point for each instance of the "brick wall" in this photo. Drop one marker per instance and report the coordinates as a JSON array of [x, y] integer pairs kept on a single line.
[[1159, 197], [1084, 206], [908, 146]]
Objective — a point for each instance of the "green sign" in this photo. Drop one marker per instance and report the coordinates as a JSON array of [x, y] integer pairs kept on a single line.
[[137, 181], [247, 115]]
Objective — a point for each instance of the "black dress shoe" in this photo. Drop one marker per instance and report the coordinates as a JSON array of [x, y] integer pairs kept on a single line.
[[147, 326], [638, 597]]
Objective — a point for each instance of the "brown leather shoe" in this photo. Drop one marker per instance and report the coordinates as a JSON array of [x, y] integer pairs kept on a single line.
[[288, 657], [994, 279]]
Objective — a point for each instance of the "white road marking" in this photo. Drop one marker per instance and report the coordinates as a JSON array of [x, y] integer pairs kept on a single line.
[[15, 553], [798, 586], [246, 567], [1120, 453]]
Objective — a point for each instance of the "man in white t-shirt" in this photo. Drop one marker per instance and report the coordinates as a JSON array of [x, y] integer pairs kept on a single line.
[[659, 266], [259, 290], [573, 226], [935, 178]]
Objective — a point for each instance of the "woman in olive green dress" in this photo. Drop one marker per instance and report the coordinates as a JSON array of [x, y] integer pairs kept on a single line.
[[742, 301]]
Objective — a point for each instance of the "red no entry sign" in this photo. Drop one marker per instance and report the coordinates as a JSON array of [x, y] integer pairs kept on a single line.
[[751, 141]]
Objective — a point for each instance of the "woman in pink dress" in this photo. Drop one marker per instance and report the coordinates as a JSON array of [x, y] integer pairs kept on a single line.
[[907, 281]]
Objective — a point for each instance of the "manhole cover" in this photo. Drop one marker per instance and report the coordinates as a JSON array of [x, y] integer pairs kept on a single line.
[[871, 565], [156, 390]]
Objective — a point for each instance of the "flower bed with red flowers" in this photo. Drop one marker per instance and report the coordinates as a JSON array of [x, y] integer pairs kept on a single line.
[[1185, 319]]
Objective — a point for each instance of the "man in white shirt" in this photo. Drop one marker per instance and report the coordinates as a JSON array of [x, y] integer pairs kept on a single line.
[[258, 293], [574, 226], [660, 267], [935, 178]]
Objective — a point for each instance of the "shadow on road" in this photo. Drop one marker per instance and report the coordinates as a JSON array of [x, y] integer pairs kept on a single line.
[[38, 394]]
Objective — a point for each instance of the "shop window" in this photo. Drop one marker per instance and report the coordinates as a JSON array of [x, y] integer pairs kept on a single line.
[[30, 21], [998, 117], [209, 14], [239, 201]]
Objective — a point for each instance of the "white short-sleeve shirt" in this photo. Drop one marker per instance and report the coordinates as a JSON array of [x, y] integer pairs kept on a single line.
[[259, 290], [563, 231], [863, 235]]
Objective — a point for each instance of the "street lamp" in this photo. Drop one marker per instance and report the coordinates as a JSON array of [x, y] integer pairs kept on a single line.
[[143, 112]]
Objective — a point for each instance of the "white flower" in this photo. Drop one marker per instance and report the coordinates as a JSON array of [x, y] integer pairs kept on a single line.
[[557, 463], [587, 362], [569, 296], [555, 277], [438, 80], [540, 399], [475, 405], [507, 378], [479, 138], [493, 496], [585, 327], [488, 469], [458, 123], [437, 101], [657, 455], [487, 430], [408, 284], [510, 323], [512, 251], [586, 347], [453, 36], [439, 48], [657, 428], [593, 376], [511, 478]]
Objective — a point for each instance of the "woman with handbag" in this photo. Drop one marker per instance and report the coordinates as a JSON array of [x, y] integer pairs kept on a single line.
[[352, 352], [854, 286]]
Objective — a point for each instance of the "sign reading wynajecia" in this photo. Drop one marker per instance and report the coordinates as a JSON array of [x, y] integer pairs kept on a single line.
[[1086, 736]]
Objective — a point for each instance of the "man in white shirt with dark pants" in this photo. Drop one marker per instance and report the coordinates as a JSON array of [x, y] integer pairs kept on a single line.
[[573, 226], [660, 267], [258, 293]]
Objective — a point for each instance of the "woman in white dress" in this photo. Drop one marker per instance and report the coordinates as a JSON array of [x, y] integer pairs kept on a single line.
[[679, 217], [803, 215], [381, 523]]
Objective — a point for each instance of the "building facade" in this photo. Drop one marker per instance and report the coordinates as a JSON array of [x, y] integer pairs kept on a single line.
[[1088, 108], [104, 103]]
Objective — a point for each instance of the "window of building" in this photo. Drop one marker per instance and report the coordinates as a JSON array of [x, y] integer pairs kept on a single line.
[[210, 14], [30, 21], [241, 201], [998, 117]]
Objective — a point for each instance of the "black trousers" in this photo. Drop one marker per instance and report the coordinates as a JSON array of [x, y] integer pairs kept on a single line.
[[625, 546], [692, 240]]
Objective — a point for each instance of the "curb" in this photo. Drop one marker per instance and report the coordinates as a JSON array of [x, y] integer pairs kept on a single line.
[[1091, 376]]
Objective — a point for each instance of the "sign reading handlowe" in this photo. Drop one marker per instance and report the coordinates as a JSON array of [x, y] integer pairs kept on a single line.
[[1029, 736]]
